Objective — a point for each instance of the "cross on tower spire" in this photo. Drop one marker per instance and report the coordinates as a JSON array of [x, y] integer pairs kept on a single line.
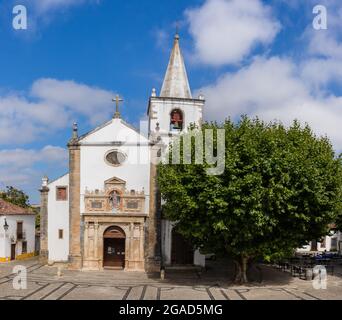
[[117, 101], [177, 31]]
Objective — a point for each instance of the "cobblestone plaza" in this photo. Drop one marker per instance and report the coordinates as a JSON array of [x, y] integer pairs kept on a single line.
[[44, 283]]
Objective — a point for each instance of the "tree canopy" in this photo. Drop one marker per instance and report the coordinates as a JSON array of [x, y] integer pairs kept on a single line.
[[19, 198], [281, 188], [15, 196]]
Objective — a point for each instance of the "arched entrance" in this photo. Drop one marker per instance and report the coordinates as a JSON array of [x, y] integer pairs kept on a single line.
[[114, 239], [182, 252]]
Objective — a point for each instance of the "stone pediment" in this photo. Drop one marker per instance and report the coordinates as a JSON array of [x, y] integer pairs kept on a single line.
[[115, 131], [115, 180], [115, 183]]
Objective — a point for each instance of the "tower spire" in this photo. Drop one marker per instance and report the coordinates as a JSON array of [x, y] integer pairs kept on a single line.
[[176, 83]]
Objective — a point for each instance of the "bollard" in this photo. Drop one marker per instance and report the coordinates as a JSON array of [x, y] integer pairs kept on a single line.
[[59, 271], [162, 274]]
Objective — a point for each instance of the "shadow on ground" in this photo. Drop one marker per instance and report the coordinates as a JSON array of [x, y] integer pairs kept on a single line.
[[222, 272]]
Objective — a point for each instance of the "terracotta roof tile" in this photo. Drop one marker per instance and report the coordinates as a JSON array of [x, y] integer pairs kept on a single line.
[[7, 208]]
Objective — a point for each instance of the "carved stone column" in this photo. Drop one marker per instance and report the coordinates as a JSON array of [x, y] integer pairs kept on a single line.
[[131, 246], [96, 245], [75, 256], [96, 237], [153, 222], [86, 241], [141, 243], [44, 248]]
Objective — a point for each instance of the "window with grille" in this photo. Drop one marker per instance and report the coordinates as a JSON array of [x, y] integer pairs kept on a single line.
[[60, 234], [62, 193], [20, 233]]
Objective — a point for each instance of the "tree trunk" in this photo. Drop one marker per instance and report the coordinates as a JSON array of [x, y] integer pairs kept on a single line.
[[241, 269], [237, 271]]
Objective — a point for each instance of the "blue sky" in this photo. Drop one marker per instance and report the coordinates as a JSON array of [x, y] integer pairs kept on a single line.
[[247, 56]]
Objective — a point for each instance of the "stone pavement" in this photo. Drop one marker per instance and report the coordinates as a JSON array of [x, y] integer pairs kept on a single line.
[[44, 284]]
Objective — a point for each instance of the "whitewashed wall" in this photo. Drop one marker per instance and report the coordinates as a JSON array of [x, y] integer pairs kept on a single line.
[[28, 227], [2, 238], [58, 218], [328, 244], [94, 169]]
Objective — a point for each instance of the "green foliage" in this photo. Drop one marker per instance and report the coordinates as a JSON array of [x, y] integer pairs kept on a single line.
[[37, 218], [280, 189], [15, 196], [19, 198]]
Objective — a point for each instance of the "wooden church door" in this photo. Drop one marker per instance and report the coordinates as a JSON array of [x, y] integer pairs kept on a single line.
[[182, 252]]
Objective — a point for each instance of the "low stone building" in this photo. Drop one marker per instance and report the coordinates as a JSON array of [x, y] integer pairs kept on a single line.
[[17, 232]]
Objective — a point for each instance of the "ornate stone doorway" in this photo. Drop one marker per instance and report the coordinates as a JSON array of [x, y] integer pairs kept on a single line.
[[114, 245]]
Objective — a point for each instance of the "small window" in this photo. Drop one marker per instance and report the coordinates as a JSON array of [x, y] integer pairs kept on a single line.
[[24, 247], [115, 158], [20, 233], [62, 193], [60, 234]]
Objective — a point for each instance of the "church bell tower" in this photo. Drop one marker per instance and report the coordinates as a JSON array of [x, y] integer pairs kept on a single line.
[[174, 109], [170, 114]]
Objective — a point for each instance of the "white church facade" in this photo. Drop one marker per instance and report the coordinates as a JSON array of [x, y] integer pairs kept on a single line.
[[106, 211]]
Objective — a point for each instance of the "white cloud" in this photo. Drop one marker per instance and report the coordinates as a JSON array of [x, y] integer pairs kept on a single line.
[[323, 61], [49, 106], [226, 31], [320, 72], [272, 90], [23, 168], [42, 7], [20, 158], [92, 102]]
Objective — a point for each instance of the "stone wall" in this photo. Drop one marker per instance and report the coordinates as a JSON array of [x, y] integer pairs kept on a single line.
[[153, 222]]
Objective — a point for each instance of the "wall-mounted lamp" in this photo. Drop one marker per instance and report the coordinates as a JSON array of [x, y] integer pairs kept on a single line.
[[6, 226]]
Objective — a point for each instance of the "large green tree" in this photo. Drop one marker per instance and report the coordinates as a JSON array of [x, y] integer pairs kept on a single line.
[[281, 187]]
